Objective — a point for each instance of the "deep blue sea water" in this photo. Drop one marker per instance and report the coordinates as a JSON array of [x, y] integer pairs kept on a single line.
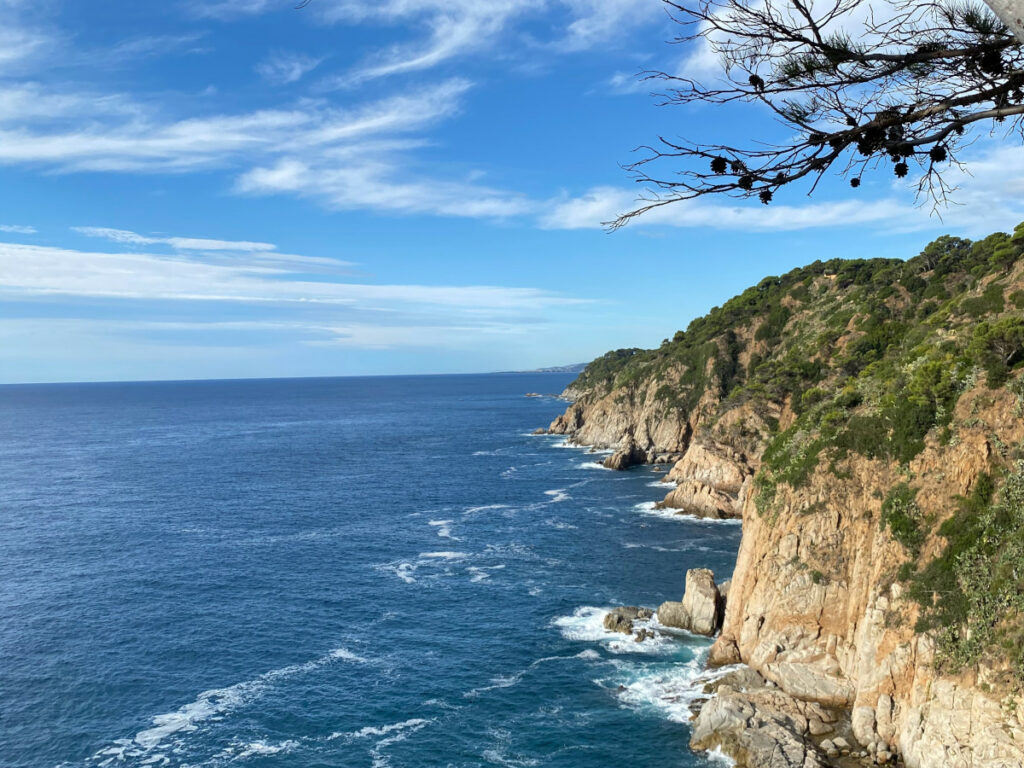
[[331, 572]]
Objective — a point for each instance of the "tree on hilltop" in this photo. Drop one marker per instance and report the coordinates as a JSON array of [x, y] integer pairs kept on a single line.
[[859, 87]]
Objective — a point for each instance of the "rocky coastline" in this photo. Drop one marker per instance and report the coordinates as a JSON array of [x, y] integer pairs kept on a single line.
[[827, 649]]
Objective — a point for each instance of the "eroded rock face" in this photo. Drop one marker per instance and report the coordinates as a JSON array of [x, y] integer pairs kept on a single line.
[[700, 610], [702, 601], [762, 727], [815, 607]]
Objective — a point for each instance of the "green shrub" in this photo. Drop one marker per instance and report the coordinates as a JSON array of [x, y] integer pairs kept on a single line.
[[972, 595], [902, 515]]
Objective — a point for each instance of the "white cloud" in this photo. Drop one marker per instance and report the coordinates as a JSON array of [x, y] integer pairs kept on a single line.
[[355, 158], [120, 135], [990, 198], [284, 67], [599, 21], [180, 243], [230, 9], [41, 270], [18, 229], [19, 45], [601, 205], [454, 27]]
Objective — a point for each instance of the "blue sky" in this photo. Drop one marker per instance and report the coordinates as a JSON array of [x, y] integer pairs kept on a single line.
[[237, 188]]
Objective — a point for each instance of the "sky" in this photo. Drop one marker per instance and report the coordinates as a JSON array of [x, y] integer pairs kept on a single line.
[[244, 188]]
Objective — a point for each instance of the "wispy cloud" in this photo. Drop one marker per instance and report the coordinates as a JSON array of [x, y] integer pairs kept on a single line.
[[231, 9], [128, 237], [220, 251], [18, 229], [991, 195], [454, 27], [19, 45], [284, 67], [352, 158], [41, 270], [596, 22], [144, 47]]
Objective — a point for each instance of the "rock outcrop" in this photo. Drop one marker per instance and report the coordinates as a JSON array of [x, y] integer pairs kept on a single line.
[[621, 619], [846, 411], [701, 609], [763, 727]]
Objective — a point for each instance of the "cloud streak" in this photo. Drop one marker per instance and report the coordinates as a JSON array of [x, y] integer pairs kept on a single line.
[[285, 67], [41, 270]]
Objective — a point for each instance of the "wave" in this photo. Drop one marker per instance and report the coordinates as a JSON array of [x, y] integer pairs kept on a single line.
[[669, 690], [167, 729], [557, 495], [444, 529], [560, 525], [443, 555], [485, 508], [670, 513], [391, 733], [586, 624], [480, 573], [593, 465]]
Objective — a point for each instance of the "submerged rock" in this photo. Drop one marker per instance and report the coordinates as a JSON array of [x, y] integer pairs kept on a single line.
[[621, 619]]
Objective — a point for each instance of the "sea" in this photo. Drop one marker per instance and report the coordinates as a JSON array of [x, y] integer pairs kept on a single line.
[[306, 573]]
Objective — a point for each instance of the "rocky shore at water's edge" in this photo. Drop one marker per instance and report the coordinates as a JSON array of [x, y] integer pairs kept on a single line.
[[859, 454]]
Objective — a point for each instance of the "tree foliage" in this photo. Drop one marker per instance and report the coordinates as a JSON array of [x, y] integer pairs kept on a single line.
[[858, 86]]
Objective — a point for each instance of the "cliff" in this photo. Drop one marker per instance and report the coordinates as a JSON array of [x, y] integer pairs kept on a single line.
[[865, 419]]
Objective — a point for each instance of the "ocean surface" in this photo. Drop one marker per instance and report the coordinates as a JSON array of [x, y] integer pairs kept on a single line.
[[332, 572]]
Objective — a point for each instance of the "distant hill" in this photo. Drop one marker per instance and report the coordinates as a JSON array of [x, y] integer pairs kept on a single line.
[[574, 368]]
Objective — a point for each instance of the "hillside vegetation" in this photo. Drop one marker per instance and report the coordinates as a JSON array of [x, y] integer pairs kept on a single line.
[[868, 359]]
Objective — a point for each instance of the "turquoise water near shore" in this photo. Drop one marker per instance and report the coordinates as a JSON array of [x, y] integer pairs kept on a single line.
[[331, 572]]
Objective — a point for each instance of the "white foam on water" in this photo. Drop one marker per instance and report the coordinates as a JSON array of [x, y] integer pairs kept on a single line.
[[498, 757], [263, 748], [403, 570], [499, 753], [670, 691], [480, 572], [168, 728], [560, 525], [586, 624], [670, 513], [507, 681], [383, 730], [389, 734], [346, 655], [485, 508], [716, 755], [509, 472], [443, 555], [589, 655], [444, 528], [668, 485], [593, 465], [557, 495], [500, 681]]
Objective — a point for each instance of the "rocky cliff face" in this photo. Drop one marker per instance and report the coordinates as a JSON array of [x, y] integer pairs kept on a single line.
[[866, 422], [816, 605]]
